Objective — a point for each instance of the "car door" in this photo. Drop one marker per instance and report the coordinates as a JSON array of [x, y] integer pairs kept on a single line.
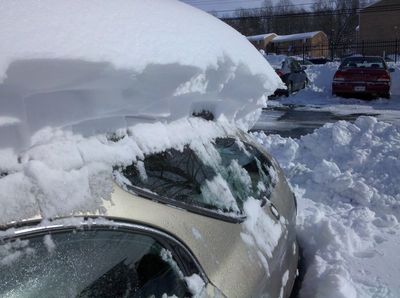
[[215, 181], [108, 259]]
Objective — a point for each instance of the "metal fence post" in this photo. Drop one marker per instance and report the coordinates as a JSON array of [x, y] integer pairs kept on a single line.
[[396, 50], [362, 48]]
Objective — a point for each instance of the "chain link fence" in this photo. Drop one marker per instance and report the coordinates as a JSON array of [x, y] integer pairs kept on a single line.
[[390, 50]]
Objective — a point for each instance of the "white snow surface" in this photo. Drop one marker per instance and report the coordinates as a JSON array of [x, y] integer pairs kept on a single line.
[[64, 173], [345, 177], [86, 86], [294, 37], [260, 37], [90, 66], [256, 226], [318, 96], [196, 285]]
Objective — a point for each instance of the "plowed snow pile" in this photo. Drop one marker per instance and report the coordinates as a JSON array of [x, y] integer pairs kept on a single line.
[[346, 179]]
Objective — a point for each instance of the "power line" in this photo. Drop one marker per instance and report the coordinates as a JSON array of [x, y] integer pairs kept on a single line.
[[347, 11], [213, 2]]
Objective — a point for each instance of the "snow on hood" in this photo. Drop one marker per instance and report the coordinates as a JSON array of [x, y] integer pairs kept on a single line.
[[89, 65]]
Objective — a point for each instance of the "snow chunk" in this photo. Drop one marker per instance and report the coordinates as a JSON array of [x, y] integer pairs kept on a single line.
[[196, 234], [49, 243], [196, 285], [257, 225], [285, 279], [92, 73], [218, 193], [6, 121], [11, 251]]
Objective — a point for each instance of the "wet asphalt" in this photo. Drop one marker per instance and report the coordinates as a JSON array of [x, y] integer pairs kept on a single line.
[[294, 121]]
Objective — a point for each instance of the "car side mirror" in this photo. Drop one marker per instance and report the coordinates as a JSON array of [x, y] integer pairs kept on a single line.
[[391, 69]]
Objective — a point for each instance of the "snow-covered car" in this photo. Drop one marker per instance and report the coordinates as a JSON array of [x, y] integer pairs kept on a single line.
[[182, 221], [125, 166], [290, 71]]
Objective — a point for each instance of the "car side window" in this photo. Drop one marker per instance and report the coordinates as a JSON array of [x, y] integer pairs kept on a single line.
[[218, 176], [92, 263], [296, 66]]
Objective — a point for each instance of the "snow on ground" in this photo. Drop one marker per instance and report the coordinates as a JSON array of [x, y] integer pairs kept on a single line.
[[345, 176], [318, 96]]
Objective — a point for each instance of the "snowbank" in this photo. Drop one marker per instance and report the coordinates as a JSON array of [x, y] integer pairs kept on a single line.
[[89, 66], [346, 180], [396, 80]]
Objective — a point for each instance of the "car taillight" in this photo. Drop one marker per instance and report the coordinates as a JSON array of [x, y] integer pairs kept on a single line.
[[339, 77], [384, 78], [279, 72]]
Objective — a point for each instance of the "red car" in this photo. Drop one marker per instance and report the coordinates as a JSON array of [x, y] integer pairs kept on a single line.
[[358, 76]]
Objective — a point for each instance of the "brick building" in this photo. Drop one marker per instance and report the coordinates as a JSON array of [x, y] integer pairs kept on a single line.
[[380, 21]]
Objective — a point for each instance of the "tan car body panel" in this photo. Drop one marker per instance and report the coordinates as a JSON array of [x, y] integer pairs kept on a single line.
[[229, 263]]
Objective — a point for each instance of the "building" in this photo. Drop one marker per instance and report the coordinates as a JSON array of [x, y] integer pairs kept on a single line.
[[261, 41], [380, 21], [310, 44]]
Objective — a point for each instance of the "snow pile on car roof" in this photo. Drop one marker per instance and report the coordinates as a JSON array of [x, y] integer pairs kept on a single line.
[[90, 65], [346, 179], [73, 73], [65, 173]]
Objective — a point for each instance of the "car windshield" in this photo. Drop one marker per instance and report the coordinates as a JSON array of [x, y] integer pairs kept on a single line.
[[363, 62], [94, 263], [276, 61], [218, 176]]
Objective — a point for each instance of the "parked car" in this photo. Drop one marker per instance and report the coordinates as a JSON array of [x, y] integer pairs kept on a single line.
[[362, 75], [303, 61], [319, 60], [124, 169], [291, 73], [170, 223]]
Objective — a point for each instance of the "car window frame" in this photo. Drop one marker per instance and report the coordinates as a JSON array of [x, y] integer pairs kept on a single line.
[[210, 213], [178, 249], [348, 59]]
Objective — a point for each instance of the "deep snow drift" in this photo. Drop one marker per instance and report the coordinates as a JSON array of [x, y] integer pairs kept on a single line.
[[346, 179], [90, 67], [74, 74]]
